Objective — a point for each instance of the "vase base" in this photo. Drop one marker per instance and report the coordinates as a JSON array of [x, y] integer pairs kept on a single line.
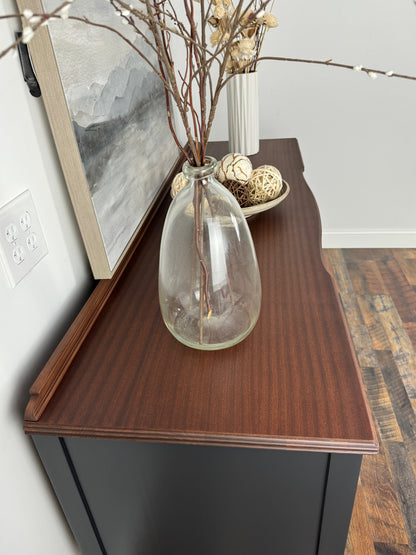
[[210, 346], [216, 332]]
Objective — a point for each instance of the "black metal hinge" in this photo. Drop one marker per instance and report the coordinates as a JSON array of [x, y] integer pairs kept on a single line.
[[27, 68]]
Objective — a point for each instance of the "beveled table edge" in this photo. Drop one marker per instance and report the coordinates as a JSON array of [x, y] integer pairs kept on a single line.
[[203, 439]]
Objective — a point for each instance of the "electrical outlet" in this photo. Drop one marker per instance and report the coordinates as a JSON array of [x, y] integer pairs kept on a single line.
[[22, 244]]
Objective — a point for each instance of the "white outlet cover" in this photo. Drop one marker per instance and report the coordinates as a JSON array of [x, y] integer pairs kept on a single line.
[[22, 243]]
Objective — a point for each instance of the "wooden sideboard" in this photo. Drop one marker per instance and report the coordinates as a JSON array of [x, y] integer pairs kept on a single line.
[[157, 449]]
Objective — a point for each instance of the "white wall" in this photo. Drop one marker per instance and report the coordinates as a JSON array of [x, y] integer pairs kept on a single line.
[[357, 136], [33, 315]]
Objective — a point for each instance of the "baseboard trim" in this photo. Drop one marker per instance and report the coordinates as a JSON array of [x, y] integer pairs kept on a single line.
[[371, 239]]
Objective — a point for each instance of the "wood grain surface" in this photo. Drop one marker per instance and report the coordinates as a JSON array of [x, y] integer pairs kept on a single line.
[[52, 374], [293, 383], [378, 291]]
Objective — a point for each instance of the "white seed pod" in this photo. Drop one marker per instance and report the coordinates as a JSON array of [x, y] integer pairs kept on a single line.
[[265, 184], [235, 167], [178, 183]]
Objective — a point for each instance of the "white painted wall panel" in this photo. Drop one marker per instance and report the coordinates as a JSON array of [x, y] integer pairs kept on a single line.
[[33, 315]]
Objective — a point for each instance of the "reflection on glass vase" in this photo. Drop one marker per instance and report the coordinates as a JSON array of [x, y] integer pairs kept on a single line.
[[209, 281]]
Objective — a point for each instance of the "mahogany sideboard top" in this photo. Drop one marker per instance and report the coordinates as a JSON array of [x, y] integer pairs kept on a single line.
[[293, 383]]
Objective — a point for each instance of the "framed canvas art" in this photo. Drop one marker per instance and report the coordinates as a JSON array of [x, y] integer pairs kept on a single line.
[[107, 112]]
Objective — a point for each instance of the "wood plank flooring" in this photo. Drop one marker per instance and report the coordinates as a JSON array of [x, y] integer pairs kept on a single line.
[[378, 292]]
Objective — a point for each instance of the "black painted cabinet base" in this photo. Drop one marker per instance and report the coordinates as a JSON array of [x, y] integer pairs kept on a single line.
[[131, 498]]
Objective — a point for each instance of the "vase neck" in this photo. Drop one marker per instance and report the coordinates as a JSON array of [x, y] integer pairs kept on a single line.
[[195, 173]]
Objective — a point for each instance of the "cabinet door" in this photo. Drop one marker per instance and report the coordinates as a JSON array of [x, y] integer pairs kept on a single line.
[[162, 499]]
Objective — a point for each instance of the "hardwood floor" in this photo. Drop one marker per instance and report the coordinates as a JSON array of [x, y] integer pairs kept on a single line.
[[378, 293]]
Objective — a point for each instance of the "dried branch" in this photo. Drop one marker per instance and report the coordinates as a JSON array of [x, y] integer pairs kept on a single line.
[[32, 22], [370, 72], [159, 17]]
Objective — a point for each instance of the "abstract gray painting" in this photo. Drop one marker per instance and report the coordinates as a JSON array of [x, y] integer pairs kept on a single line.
[[117, 107]]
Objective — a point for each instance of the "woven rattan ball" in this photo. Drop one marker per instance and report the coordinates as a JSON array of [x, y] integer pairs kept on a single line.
[[234, 167], [178, 183], [239, 191], [265, 184]]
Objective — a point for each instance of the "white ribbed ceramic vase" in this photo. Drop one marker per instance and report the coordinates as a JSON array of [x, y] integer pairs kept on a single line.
[[243, 113]]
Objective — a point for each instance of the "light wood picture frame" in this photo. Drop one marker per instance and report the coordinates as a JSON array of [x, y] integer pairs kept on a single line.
[[107, 112]]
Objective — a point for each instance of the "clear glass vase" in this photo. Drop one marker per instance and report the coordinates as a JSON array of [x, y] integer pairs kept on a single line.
[[209, 281]]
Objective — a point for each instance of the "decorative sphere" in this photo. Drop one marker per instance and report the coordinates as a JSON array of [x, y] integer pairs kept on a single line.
[[265, 184], [178, 183], [239, 190], [234, 167]]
